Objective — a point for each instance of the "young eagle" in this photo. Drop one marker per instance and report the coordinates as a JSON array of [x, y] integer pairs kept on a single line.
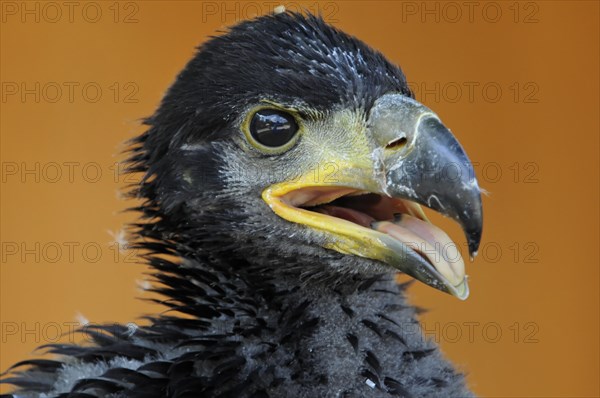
[[283, 175]]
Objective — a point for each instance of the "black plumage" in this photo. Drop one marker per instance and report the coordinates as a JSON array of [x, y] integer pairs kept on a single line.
[[258, 307]]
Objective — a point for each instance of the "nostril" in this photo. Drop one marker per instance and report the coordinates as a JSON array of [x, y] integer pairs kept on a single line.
[[398, 143]]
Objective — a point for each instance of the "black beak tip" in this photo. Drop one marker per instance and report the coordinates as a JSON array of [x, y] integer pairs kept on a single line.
[[473, 240], [473, 231]]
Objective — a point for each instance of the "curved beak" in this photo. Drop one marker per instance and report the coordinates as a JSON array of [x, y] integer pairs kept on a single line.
[[424, 163]]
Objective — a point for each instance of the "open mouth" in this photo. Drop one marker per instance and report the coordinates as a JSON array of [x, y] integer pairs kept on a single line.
[[392, 230], [371, 207]]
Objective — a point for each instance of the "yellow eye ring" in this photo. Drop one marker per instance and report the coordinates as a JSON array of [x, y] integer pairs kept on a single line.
[[271, 129]]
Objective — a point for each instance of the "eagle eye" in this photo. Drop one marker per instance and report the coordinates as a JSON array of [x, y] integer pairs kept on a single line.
[[273, 128]]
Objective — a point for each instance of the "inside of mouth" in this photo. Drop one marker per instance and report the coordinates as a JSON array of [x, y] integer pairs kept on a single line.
[[363, 209], [400, 219]]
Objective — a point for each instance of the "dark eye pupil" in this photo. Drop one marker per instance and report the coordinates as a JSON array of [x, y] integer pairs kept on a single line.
[[272, 128]]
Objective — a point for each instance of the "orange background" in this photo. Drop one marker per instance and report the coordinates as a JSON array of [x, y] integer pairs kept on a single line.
[[530, 123]]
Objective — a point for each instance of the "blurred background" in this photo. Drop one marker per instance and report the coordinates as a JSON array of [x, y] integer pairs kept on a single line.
[[517, 82]]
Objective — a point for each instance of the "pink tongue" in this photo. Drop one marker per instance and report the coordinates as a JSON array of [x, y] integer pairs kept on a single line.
[[429, 241], [423, 229]]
